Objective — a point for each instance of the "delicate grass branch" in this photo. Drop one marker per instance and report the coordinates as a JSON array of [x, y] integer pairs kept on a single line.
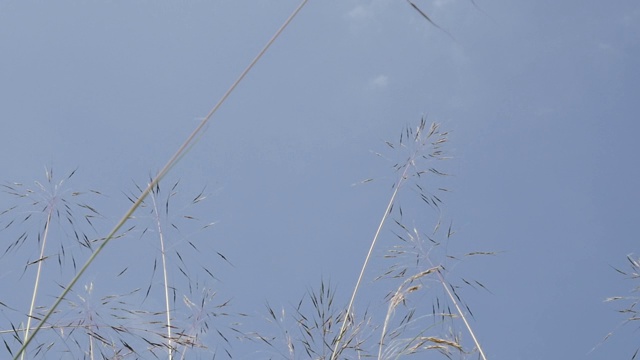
[[387, 211], [164, 274], [38, 272], [445, 285], [629, 307], [416, 137]]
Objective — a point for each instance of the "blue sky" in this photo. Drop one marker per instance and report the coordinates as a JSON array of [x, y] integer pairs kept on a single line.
[[539, 97]]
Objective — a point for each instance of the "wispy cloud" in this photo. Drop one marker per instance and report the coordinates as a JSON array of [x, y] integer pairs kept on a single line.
[[441, 3], [360, 12], [379, 82], [366, 11]]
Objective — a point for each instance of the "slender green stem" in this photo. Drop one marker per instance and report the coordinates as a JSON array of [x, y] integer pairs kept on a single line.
[[169, 165]]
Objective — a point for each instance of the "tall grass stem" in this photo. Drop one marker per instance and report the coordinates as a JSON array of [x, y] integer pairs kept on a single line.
[[165, 277], [387, 211], [36, 284], [464, 318], [174, 159]]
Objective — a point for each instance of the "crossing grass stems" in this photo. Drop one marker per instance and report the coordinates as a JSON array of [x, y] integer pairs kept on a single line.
[[117, 326]]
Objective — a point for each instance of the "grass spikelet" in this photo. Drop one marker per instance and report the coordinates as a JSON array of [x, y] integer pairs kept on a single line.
[[56, 211], [627, 305], [404, 329], [318, 320], [94, 324], [189, 304]]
